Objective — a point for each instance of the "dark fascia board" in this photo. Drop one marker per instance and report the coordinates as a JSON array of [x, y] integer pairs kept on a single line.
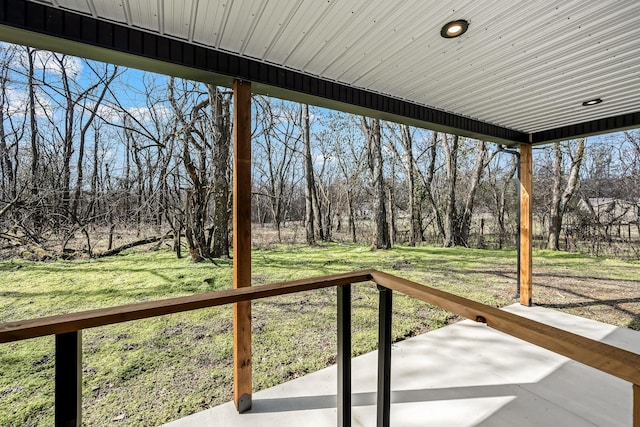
[[44, 27], [590, 128]]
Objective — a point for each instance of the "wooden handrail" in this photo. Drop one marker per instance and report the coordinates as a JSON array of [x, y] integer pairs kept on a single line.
[[607, 358], [612, 360], [64, 323]]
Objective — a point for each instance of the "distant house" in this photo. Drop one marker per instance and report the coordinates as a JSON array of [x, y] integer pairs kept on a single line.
[[608, 210]]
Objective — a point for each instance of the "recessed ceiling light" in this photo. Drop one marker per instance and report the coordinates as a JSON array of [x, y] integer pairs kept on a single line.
[[454, 29], [592, 102]]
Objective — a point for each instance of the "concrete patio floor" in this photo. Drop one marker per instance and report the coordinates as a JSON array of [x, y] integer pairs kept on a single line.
[[464, 374]]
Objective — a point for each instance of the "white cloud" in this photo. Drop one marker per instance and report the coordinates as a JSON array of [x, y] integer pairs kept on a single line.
[[18, 101], [46, 60], [114, 115], [54, 63], [109, 113], [145, 115], [320, 159]]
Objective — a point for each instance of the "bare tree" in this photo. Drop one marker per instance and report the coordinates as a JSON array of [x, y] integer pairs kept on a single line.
[[500, 179], [33, 123], [9, 138], [208, 170], [563, 190], [344, 144], [407, 159], [371, 130], [310, 187], [278, 137], [450, 146], [221, 162], [429, 185]]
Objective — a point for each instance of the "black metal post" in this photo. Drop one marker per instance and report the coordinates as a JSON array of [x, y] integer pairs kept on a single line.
[[68, 394], [384, 357], [344, 356]]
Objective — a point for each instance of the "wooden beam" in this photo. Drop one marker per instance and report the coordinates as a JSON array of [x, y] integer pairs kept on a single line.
[[242, 243], [526, 197], [64, 323], [604, 357]]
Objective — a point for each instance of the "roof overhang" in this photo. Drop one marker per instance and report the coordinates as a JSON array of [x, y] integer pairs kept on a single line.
[[527, 85]]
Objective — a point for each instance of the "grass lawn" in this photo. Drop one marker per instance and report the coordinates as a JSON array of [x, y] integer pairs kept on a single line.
[[152, 371]]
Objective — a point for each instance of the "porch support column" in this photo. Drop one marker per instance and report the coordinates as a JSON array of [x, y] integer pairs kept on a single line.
[[526, 186], [242, 243]]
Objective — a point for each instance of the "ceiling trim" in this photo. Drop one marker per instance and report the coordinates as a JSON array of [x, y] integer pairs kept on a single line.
[[590, 128], [45, 27]]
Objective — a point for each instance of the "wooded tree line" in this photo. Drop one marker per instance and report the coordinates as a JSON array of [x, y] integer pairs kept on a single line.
[[95, 157]]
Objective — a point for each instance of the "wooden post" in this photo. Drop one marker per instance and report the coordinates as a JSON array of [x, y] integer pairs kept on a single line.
[[636, 406], [526, 187], [242, 243]]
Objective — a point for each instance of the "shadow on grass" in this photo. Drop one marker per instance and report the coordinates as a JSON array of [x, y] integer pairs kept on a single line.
[[578, 276], [591, 301]]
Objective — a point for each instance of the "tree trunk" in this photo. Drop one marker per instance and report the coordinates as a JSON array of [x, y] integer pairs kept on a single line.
[[309, 184], [352, 216], [415, 215], [464, 226], [560, 197], [451, 164], [501, 201], [393, 227], [317, 213], [194, 127], [428, 183], [67, 142], [35, 153], [221, 172], [9, 187], [371, 130]]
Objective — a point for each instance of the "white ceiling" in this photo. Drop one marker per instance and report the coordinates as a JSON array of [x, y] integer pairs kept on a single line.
[[523, 64]]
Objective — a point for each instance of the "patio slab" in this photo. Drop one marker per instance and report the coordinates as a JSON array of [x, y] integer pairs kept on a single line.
[[465, 374]]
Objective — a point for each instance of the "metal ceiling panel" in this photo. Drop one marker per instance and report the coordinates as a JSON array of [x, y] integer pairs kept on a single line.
[[81, 6], [526, 65], [296, 29], [178, 17], [144, 14], [112, 10], [211, 21], [243, 18]]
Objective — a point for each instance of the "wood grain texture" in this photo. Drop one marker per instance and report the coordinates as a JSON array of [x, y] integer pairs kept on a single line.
[[526, 198], [60, 324], [636, 405], [242, 384], [612, 360]]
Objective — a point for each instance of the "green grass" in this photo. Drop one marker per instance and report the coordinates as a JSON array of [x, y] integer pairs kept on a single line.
[[151, 371]]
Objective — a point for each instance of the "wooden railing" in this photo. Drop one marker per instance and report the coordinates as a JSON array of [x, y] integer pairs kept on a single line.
[[67, 329]]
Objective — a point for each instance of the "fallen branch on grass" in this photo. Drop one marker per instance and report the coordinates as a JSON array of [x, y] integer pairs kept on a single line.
[[13, 238], [8, 206], [145, 241]]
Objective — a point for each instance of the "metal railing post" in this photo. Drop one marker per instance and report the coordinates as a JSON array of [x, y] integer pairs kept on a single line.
[[344, 356], [384, 357], [68, 394]]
